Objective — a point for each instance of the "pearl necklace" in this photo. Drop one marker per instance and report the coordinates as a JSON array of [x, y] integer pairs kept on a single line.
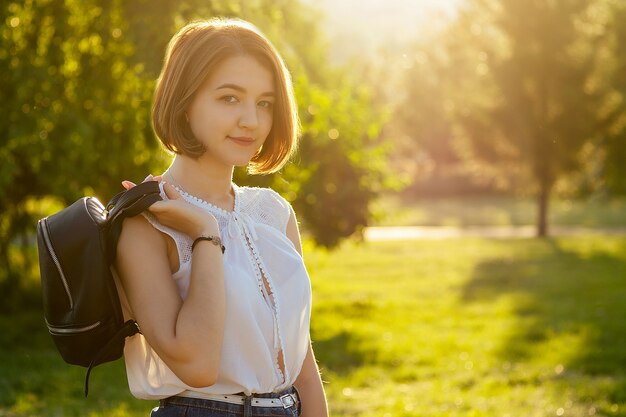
[[176, 184]]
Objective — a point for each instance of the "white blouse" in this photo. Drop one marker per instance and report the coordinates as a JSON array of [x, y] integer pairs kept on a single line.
[[260, 325]]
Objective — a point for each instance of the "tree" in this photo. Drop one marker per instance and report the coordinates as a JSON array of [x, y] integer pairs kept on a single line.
[[530, 97], [75, 113], [612, 112]]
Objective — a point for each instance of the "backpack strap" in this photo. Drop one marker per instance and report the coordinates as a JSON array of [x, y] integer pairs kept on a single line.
[[128, 204], [125, 198], [130, 328]]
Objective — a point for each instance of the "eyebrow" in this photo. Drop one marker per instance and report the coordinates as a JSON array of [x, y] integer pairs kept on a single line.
[[243, 90]]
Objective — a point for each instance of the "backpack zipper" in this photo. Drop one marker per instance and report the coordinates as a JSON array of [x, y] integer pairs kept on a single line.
[[65, 330], [53, 255]]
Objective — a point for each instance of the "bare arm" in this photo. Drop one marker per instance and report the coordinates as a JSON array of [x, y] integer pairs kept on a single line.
[[310, 388], [186, 334], [309, 381]]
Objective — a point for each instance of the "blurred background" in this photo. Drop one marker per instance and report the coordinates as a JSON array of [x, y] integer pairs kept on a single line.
[[460, 180]]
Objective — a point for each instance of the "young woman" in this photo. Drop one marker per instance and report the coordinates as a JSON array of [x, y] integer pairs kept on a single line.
[[214, 273]]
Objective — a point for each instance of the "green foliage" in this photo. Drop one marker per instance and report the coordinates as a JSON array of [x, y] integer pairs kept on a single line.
[[612, 132], [77, 93], [343, 157], [76, 113]]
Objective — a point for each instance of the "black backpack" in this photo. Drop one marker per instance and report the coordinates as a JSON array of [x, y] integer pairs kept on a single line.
[[77, 247]]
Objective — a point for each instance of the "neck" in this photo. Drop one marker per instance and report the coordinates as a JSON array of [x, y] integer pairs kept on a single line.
[[208, 181]]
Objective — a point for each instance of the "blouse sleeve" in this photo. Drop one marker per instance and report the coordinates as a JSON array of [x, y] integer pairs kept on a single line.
[[183, 243], [281, 208]]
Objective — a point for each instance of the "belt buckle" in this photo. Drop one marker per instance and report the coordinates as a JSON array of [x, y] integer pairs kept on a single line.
[[287, 400]]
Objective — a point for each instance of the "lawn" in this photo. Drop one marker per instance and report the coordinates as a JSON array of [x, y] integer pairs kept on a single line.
[[460, 327]]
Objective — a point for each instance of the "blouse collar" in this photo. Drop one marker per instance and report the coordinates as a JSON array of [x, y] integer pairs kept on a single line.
[[212, 207]]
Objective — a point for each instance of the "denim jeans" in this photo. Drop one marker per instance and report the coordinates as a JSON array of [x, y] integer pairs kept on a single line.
[[198, 407]]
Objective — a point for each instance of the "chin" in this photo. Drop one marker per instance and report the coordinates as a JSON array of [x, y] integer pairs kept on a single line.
[[241, 162]]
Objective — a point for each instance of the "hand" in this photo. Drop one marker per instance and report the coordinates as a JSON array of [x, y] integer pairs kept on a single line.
[[177, 213]]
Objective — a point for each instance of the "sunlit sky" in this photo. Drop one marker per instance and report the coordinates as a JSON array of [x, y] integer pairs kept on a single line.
[[362, 26]]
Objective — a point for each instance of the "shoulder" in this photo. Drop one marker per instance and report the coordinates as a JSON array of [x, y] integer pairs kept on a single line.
[[138, 235], [140, 227], [138, 224], [277, 199], [269, 204], [257, 194]]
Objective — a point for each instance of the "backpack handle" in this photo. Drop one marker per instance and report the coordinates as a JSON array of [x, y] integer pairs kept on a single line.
[[122, 199]]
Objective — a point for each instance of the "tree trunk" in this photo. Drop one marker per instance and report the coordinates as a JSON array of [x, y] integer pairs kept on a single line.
[[542, 215]]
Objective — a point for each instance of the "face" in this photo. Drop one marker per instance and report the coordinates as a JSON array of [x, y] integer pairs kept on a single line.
[[232, 112]]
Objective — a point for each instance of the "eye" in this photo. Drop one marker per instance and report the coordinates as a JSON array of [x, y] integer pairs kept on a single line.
[[266, 104], [229, 99]]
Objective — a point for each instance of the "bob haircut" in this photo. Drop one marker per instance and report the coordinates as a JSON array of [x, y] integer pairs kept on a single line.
[[192, 54]]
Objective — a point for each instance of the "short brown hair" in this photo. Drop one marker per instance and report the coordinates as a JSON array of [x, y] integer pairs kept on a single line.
[[192, 53]]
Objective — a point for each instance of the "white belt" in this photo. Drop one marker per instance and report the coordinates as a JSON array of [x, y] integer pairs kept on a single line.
[[284, 401]]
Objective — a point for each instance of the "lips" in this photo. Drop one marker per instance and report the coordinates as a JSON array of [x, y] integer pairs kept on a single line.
[[242, 140]]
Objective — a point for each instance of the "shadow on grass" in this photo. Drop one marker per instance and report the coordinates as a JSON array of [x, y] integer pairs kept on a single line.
[[342, 353], [34, 380], [347, 349], [558, 292]]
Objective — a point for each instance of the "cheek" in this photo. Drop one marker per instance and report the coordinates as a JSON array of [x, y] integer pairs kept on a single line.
[[267, 120], [209, 118], [200, 126]]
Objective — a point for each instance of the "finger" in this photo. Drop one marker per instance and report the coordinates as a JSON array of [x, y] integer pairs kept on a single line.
[[157, 178], [155, 207], [170, 191], [128, 184], [148, 178]]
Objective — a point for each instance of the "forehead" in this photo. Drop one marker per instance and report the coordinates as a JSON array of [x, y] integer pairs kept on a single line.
[[244, 71]]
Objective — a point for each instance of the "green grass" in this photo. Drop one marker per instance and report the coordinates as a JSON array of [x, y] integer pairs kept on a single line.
[[34, 381], [474, 327], [460, 327], [498, 211]]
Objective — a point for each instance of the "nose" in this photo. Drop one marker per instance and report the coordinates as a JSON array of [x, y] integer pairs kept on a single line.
[[249, 118]]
